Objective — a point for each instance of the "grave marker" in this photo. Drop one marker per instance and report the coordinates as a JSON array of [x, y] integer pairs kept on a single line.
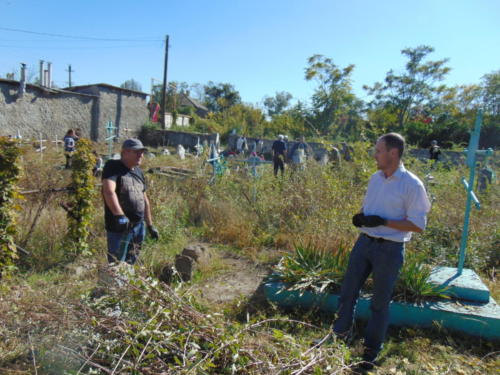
[[464, 283], [471, 196], [111, 136]]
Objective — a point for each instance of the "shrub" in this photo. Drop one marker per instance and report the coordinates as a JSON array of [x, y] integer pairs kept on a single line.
[[9, 174]]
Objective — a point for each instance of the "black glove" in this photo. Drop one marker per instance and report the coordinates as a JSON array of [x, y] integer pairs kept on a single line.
[[373, 221], [153, 232], [358, 220], [120, 223]]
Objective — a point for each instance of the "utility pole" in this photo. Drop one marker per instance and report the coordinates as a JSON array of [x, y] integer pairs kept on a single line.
[[164, 88], [69, 74]]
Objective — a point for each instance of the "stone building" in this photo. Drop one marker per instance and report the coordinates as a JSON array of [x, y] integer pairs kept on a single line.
[[33, 110], [126, 109]]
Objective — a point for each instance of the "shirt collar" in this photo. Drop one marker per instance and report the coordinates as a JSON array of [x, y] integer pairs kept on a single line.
[[397, 174]]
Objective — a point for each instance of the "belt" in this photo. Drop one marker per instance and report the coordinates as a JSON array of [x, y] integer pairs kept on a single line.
[[378, 239]]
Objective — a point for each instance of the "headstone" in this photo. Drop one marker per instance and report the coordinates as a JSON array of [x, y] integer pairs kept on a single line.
[[185, 266], [190, 260], [181, 152], [167, 273]]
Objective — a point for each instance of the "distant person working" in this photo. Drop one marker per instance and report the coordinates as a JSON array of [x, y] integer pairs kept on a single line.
[[434, 151], [279, 153], [69, 147]]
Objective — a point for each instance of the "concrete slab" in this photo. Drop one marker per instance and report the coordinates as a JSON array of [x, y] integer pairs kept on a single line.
[[466, 286], [476, 319]]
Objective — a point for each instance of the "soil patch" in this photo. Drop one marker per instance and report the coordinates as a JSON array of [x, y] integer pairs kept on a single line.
[[239, 277]]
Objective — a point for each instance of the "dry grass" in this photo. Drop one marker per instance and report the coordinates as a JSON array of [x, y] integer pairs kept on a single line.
[[47, 319]]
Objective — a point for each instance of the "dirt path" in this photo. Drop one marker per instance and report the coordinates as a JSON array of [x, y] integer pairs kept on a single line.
[[240, 277]]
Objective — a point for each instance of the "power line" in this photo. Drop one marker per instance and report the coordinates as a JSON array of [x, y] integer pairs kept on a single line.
[[78, 47], [80, 37]]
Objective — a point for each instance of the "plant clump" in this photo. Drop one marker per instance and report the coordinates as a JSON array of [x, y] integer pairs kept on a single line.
[[9, 175]]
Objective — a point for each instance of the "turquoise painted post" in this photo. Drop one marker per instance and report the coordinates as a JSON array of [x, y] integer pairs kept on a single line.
[[110, 138], [471, 162], [217, 163]]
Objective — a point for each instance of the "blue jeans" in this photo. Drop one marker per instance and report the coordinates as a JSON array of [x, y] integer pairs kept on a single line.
[[383, 259], [125, 246]]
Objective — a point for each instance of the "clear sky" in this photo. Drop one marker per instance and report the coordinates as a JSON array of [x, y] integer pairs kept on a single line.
[[259, 46]]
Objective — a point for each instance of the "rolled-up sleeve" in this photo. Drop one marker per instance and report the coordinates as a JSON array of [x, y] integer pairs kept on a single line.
[[417, 205]]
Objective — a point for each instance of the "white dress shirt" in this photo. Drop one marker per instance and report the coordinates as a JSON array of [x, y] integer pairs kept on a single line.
[[399, 197]]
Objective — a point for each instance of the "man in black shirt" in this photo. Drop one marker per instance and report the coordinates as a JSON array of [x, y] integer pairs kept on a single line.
[[279, 152], [126, 205], [434, 151]]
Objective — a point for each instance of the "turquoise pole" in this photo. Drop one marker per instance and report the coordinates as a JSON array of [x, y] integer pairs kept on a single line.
[[471, 162]]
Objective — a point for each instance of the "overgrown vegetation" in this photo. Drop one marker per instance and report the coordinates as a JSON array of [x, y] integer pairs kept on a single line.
[[9, 175], [81, 209], [62, 317]]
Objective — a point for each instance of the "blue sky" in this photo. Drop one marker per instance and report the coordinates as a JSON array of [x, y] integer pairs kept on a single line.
[[259, 46]]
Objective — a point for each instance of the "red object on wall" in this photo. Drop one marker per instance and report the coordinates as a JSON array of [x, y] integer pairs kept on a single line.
[[154, 117]]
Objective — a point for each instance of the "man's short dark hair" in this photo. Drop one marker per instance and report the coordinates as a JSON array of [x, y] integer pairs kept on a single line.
[[394, 140]]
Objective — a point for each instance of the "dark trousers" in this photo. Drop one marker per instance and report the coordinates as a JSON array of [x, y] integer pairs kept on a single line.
[[383, 259], [126, 246], [278, 163], [68, 155]]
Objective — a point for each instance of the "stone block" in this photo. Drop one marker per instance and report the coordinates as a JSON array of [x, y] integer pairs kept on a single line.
[[166, 274], [199, 253], [186, 266]]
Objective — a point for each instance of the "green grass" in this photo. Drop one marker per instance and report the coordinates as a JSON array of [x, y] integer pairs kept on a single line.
[[52, 315]]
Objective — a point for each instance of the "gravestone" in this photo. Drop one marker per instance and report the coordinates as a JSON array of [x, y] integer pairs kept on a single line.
[[190, 260], [181, 152], [464, 283]]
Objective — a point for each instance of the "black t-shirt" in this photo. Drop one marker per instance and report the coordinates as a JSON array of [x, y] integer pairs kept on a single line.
[[434, 152], [130, 188], [279, 147]]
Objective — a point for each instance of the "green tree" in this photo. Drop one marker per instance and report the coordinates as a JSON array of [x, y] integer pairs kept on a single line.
[[277, 104], [416, 88], [491, 93], [221, 96], [246, 119], [490, 132], [335, 108], [131, 84]]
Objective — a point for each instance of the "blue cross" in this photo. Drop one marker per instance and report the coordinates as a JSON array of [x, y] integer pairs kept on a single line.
[[471, 196]]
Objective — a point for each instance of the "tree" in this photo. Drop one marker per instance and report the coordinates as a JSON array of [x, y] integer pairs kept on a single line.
[[491, 93], [277, 104], [490, 132], [244, 118], [336, 110], [219, 97], [174, 89], [413, 89], [131, 84]]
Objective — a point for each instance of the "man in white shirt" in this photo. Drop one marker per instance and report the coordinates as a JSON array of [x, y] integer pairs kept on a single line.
[[395, 205]]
